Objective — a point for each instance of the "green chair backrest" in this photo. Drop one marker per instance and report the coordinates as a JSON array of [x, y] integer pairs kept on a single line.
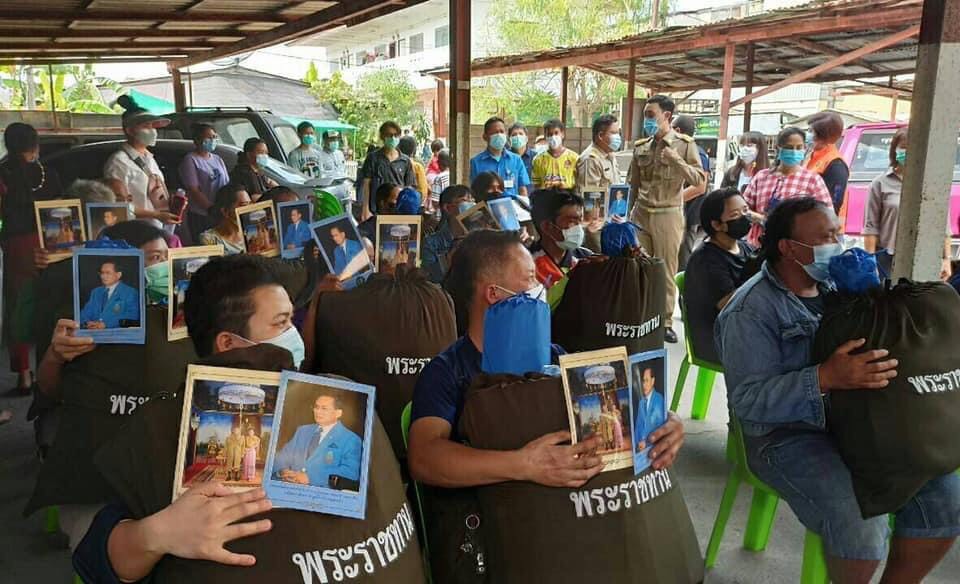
[[681, 280], [405, 422]]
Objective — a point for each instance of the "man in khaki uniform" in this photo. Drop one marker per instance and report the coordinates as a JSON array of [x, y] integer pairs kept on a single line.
[[234, 448], [662, 163], [597, 170]]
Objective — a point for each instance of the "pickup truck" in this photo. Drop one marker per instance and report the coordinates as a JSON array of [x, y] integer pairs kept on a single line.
[[866, 150]]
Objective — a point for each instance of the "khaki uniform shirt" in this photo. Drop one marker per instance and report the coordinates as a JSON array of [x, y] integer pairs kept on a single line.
[[657, 183], [596, 169]]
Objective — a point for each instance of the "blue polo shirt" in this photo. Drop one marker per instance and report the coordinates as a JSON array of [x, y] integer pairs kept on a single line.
[[510, 168]]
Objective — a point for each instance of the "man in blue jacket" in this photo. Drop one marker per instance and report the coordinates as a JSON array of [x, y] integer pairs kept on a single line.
[[111, 303], [298, 232], [320, 450], [650, 413], [345, 251]]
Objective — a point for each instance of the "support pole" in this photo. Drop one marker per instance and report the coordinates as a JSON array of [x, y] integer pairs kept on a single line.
[[655, 20], [748, 107], [894, 102], [460, 44], [934, 118], [179, 96], [440, 125], [53, 97], [627, 127], [729, 57], [564, 93]]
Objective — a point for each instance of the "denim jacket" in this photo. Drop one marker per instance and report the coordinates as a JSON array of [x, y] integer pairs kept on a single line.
[[764, 337]]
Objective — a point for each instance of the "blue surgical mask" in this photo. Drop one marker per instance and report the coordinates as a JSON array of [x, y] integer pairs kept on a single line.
[[572, 238], [616, 141], [464, 206], [498, 141], [792, 157], [290, 340], [650, 127], [210, 144], [901, 157], [262, 159], [819, 270], [333, 145], [519, 141], [392, 142], [308, 139]]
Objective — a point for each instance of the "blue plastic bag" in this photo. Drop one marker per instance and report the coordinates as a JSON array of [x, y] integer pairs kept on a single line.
[[516, 336], [408, 202], [618, 238], [855, 271], [107, 243]]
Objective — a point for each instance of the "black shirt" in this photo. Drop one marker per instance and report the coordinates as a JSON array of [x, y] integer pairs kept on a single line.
[[711, 274], [835, 177], [380, 169], [20, 185], [253, 182], [815, 304]]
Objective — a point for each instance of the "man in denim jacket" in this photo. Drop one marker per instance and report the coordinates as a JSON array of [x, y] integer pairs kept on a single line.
[[765, 339]]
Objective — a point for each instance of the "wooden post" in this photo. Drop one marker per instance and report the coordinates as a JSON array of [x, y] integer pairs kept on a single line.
[[893, 107], [627, 128], [53, 97], [564, 93], [460, 43], [729, 57], [440, 126], [655, 21], [179, 96], [748, 107], [934, 117]]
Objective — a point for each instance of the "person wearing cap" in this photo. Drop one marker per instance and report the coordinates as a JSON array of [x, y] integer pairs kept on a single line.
[[332, 163], [306, 157], [132, 171]]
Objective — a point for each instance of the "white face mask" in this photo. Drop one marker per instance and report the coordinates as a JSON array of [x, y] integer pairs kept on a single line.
[[555, 141], [538, 292], [748, 154], [290, 340], [147, 136]]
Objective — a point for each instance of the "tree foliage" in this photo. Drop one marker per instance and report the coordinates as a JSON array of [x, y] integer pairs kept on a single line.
[[76, 88], [377, 97], [536, 25]]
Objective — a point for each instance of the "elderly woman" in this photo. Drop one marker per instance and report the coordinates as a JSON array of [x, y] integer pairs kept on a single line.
[[23, 180]]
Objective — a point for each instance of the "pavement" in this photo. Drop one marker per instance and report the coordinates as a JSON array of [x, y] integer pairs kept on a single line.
[[29, 555]]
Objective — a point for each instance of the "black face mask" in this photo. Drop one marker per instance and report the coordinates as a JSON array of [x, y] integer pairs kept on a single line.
[[738, 228]]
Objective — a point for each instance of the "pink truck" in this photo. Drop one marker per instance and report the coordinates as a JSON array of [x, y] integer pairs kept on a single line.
[[866, 149]]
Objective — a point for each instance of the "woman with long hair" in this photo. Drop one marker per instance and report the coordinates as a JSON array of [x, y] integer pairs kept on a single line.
[[752, 158], [227, 232]]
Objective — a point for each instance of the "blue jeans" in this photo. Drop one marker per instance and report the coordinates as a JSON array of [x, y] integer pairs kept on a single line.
[[805, 468]]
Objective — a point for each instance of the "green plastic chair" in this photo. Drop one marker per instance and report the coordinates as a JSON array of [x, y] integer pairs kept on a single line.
[[705, 376], [405, 430], [52, 521], [763, 511]]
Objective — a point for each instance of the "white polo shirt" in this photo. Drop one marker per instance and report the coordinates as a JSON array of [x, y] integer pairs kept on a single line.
[[121, 166]]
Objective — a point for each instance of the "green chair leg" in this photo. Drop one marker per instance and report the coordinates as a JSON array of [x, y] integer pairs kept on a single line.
[[681, 380], [814, 570], [763, 510], [726, 506], [701, 396], [77, 579], [53, 520]]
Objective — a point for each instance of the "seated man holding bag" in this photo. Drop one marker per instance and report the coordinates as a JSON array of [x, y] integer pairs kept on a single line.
[[765, 337]]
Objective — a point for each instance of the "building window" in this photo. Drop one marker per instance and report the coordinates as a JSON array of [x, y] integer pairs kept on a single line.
[[416, 43], [442, 36], [359, 58], [380, 50]]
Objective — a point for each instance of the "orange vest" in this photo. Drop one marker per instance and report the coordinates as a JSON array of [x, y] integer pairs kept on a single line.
[[818, 162]]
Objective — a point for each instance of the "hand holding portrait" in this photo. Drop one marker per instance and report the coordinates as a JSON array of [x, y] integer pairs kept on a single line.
[[666, 442], [551, 462], [65, 345]]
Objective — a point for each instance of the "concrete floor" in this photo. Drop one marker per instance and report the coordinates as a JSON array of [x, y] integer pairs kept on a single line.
[[28, 555]]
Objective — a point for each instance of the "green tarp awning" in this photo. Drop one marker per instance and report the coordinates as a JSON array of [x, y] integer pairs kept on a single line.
[[322, 125]]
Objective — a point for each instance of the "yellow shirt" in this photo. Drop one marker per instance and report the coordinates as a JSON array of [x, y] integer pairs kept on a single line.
[[421, 175], [560, 171]]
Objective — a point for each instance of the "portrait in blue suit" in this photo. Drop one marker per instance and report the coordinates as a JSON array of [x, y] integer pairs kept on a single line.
[[320, 450], [346, 249], [618, 202], [649, 410], [111, 302], [297, 233]]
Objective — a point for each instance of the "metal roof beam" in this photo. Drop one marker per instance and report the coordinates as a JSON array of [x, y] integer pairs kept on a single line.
[[126, 33], [828, 51], [32, 14]]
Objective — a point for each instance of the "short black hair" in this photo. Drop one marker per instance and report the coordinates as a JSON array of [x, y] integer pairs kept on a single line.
[[220, 297], [453, 192], [226, 197], [303, 126], [19, 138], [602, 124], [666, 104], [785, 134], [251, 144], [137, 233], [383, 192], [197, 130], [389, 125], [548, 202], [444, 160], [686, 125], [553, 124], [712, 207], [516, 126], [482, 183], [480, 253], [272, 194], [780, 224], [492, 121], [116, 268], [436, 146], [408, 145]]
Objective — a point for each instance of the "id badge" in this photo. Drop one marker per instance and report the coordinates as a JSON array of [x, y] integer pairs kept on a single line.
[[508, 184]]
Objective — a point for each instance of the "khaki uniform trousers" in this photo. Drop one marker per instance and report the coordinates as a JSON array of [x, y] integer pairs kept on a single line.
[[661, 236]]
